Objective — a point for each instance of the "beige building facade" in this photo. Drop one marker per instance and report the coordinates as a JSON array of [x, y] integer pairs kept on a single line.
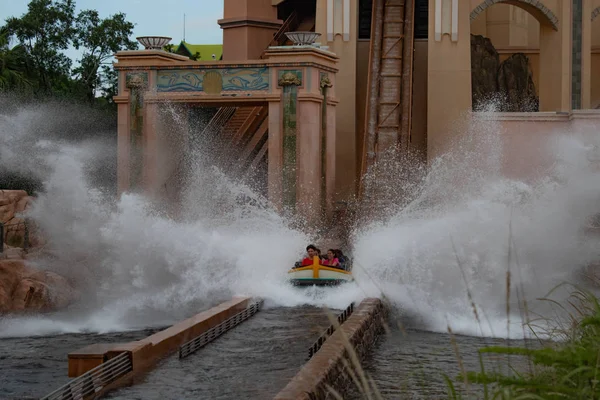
[[390, 75]]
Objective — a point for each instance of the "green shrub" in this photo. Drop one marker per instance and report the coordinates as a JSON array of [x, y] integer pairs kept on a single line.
[[565, 369]]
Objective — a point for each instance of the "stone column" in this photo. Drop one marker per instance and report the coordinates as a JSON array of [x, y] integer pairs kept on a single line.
[[275, 156], [577, 54], [449, 72], [150, 153], [330, 140], [289, 81], [301, 129], [586, 54], [309, 163], [123, 148], [555, 61], [327, 146], [137, 83]]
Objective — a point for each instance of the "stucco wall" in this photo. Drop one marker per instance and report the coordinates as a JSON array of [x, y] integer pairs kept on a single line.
[[345, 91], [528, 139], [362, 74], [419, 106]]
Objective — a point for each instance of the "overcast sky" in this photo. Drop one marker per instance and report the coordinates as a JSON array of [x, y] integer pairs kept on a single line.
[[151, 17]]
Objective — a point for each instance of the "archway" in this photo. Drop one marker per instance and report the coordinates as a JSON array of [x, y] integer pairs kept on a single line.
[[538, 10], [553, 82]]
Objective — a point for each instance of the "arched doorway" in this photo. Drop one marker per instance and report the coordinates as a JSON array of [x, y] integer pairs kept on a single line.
[[531, 28], [505, 59]]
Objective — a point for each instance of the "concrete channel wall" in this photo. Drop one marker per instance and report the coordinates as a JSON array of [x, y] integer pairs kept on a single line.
[[329, 367], [146, 352]]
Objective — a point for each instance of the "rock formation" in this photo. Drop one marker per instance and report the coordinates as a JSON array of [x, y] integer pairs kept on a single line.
[[23, 287], [515, 85], [13, 204], [508, 84], [484, 71]]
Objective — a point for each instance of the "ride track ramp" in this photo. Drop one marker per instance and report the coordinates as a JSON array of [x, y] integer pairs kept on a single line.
[[103, 367], [389, 88], [252, 361], [335, 366]]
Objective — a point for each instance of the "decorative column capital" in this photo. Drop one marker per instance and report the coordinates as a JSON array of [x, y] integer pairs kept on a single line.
[[136, 80], [325, 82], [289, 79]]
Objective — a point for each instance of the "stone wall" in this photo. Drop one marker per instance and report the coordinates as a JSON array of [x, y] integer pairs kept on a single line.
[[22, 287], [332, 366], [27, 289], [13, 204]]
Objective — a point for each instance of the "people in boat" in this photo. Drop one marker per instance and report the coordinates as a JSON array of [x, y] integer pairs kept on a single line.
[[311, 251], [335, 258], [339, 255], [341, 258], [331, 260]]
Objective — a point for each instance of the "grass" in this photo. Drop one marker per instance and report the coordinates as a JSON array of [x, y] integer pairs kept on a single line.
[[567, 366], [564, 366], [565, 369]]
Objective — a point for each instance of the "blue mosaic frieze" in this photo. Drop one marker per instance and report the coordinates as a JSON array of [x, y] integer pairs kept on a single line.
[[234, 79]]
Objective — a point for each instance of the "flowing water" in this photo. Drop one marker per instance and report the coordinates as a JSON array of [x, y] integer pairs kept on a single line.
[[31, 367], [474, 246], [442, 260], [409, 364], [253, 361]]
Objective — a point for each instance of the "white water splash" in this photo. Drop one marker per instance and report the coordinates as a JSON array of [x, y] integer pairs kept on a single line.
[[138, 268], [467, 201]]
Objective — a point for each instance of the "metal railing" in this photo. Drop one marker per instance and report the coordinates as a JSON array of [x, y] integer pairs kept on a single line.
[[319, 342], [279, 37], [218, 121], [15, 228], [94, 380], [288, 25], [195, 344]]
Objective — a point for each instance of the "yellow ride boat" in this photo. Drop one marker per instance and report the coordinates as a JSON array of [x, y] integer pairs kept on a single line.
[[319, 275]]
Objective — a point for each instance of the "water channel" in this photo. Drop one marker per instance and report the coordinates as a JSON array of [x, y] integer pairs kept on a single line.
[[253, 361]]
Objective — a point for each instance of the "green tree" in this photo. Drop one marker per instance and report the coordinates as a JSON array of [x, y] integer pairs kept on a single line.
[[44, 32], [14, 65], [109, 83], [99, 39], [171, 48]]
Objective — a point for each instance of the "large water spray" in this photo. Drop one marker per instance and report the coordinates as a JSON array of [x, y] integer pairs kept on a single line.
[[137, 267], [473, 241]]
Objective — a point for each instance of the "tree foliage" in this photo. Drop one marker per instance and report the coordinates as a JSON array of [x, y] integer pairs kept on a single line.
[[14, 65], [45, 31], [36, 62], [100, 39]]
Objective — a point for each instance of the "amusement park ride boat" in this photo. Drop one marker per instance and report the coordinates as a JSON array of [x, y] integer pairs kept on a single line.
[[320, 275]]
